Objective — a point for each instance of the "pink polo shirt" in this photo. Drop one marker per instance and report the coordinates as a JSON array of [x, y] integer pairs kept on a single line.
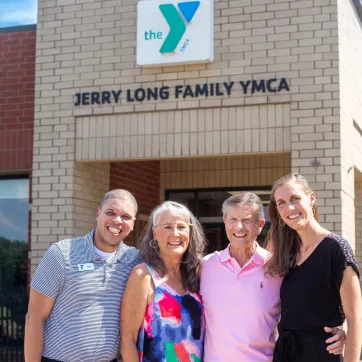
[[242, 308]]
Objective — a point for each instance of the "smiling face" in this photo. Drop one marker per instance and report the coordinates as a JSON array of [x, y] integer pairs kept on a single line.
[[242, 226], [294, 205], [173, 234], [115, 221]]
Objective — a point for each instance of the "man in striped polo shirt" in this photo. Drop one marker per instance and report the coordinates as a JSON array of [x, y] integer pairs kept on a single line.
[[76, 291]]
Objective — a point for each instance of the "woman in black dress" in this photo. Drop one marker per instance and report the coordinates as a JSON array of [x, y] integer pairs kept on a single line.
[[320, 285]]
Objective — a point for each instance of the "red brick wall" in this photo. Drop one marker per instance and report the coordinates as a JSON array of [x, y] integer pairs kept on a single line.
[[142, 179], [17, 79]]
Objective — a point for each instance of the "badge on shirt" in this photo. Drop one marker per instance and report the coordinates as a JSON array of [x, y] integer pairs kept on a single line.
[[86, 266]]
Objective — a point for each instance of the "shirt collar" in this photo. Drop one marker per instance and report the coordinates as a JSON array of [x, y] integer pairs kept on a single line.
[[92, 255], [225, 254], [260, 256]]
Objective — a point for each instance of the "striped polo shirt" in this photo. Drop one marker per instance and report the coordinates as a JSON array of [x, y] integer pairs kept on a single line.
[[84, 323]]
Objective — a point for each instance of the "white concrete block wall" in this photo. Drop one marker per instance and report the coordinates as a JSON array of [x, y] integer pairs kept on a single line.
[[350, 76]]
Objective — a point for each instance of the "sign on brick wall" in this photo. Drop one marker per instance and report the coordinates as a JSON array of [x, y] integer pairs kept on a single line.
[[188, 91], [174, 32]]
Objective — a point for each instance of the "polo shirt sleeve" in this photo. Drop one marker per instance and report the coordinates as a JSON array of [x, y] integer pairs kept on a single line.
[[49, 276]]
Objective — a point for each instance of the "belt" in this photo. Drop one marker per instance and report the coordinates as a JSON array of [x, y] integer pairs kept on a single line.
[[286, 347], [289, 343], [45, 359]]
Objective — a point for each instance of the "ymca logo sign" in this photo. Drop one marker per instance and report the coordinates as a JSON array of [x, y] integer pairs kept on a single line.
[[176, 22], [174, 32]]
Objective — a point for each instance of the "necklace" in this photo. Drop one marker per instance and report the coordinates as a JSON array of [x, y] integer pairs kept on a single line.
[[309, 246], [318, 235]]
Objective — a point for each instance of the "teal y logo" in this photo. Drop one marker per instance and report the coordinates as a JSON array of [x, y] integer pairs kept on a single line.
[[177, 23]]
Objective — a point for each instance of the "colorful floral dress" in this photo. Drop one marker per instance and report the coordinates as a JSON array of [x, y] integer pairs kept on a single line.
[[173, 327]]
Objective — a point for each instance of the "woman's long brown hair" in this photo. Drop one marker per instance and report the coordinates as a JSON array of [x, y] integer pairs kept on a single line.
[[283, 241]]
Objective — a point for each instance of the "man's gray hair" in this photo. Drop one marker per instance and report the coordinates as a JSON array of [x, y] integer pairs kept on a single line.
[[244, 198], [120, 194]]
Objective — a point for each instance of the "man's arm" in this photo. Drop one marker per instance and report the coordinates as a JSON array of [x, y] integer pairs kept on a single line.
[[39, 310], [47, 282], [335, 344]]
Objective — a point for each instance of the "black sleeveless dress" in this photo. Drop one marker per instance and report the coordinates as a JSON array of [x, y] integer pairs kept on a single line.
[[310, 300]]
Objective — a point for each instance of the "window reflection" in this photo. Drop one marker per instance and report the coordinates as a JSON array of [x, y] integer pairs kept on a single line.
[[14, 211], [185, 198], [210, 203]]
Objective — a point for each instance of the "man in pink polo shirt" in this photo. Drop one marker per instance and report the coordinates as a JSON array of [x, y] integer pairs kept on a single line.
[[242, 303]]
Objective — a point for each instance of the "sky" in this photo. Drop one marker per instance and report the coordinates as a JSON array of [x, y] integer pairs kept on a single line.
[[18, 12]]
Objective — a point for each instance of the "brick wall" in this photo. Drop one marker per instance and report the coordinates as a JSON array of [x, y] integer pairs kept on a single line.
[[196, 132], [236, 171], [88, 183], [142, 179], [350, 76], [358, 220], [17, 80], [90, 46]]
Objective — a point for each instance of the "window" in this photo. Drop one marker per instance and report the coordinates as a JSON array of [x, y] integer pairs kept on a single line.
[[358, 7], [14, 211]]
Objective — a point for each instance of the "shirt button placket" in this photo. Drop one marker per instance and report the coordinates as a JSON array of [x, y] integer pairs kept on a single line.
[[238, 279], [104, 274]]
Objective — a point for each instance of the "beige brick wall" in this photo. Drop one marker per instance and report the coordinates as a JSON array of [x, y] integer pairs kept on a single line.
[[358, 219], [91, 183], [350, 78], [85, 46], [235, 171], [214, 131], [315, 134], [69, 207]]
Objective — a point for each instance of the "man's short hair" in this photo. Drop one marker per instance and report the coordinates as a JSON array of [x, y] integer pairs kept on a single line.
[[120, 194], [244, 198]]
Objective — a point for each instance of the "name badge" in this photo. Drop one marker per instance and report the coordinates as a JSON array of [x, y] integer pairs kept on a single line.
[[86, 266]]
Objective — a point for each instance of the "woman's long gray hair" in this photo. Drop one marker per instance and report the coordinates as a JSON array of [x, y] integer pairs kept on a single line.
[[191, 260]]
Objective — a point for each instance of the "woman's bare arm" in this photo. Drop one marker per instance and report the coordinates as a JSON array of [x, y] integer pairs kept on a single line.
[[138, 293], [352, 306]]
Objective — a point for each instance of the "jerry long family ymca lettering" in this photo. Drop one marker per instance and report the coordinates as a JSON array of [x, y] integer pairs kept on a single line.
[[182, 91]]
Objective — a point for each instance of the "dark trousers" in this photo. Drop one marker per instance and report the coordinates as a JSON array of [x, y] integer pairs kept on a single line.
[[45, 359]]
